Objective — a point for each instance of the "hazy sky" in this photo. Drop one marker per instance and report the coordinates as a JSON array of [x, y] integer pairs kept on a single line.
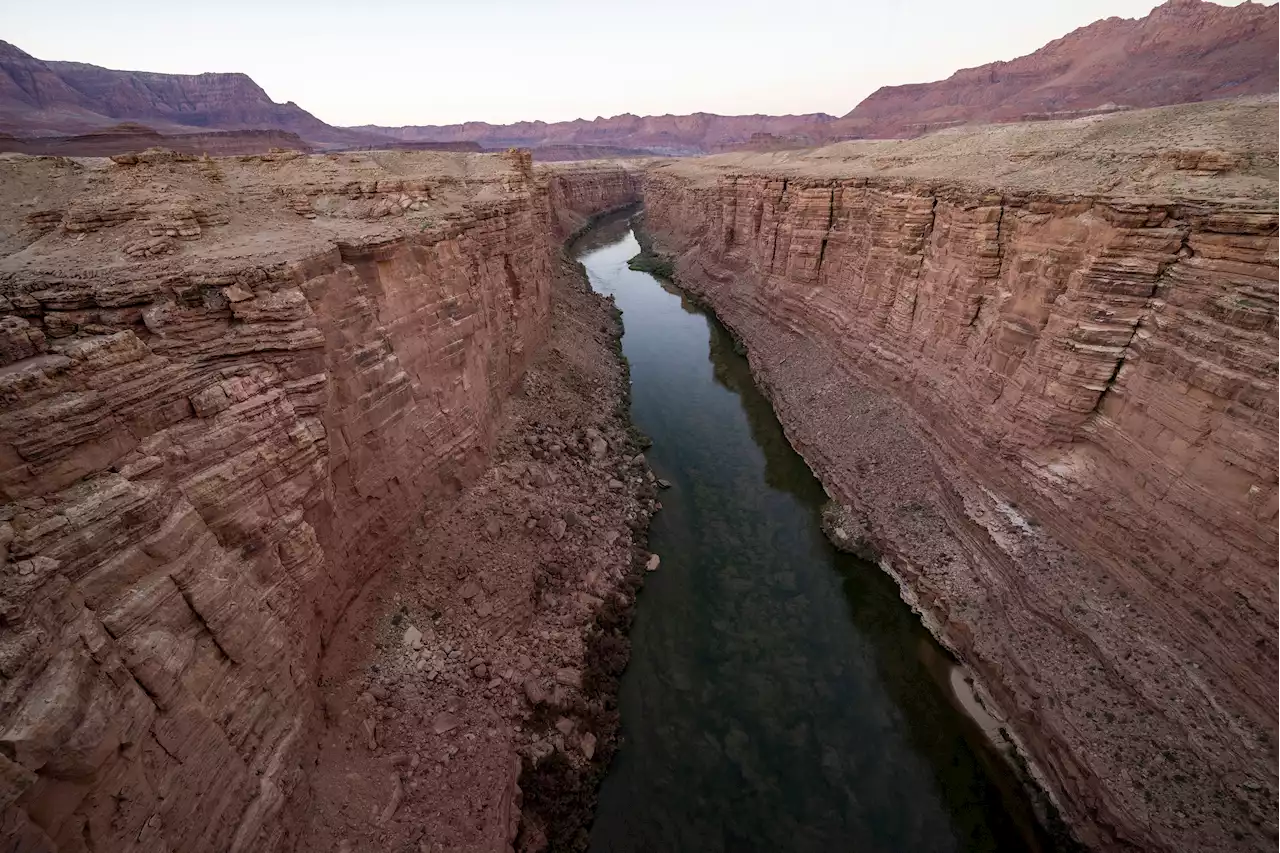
[[391, 62]]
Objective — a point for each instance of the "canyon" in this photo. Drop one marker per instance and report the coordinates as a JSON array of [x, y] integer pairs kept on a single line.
[[299, 404], [322, 515], [215, 434], [1035, 365]]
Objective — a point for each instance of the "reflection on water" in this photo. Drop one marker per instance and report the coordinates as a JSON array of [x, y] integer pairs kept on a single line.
[[777, 698]]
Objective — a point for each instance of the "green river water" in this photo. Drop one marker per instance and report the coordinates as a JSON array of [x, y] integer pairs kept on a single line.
[[780, 695]]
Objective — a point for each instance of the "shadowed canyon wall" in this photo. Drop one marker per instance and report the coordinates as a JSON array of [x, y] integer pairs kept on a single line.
[[228, 391], [1054, 411]]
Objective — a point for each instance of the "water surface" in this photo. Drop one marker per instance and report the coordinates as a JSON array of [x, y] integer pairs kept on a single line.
[[780, 695]]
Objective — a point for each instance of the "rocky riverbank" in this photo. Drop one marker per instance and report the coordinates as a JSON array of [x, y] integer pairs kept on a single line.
[[1040, 377], [471, 692]]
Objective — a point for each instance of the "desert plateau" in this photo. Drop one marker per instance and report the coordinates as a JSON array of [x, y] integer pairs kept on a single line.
[[905, 479]]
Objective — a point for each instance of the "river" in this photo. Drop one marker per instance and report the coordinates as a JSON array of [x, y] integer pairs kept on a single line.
[[780, 695]]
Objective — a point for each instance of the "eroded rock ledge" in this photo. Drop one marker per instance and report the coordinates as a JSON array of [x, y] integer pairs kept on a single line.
[[230, 388], [1040, 362]]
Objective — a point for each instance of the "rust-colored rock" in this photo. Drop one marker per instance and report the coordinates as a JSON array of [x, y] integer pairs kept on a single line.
[[1183, 51], [75, 97], [1045, 376], [126, 138], [579, 193], [664, 135], [229, 388]]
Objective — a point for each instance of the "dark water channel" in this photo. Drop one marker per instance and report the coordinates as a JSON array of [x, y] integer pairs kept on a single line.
[[780, 695]]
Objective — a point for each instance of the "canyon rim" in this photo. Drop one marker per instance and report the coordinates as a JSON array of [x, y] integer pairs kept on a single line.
[[322, 517]]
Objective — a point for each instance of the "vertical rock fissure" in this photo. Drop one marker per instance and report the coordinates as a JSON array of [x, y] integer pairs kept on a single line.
[[203, 622], [1184, 250], [831, 218], [777, 224], [1000, 242], [928, 231], [165, 749], [1097, 404], [977, 311], [924, 251], [999, 276]]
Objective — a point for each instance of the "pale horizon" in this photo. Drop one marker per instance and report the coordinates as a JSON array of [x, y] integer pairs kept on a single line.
[[393, 63]]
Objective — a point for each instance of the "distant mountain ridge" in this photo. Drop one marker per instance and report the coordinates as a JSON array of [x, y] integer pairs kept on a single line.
[[42, 98], [1184, 50], [666, 134]]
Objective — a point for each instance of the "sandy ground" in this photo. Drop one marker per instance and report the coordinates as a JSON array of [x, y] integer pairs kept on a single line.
[[1206, 151], [268, 208], [497, 639]]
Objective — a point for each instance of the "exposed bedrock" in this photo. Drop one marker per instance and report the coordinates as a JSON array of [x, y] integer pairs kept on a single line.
[[579, 195], [1057, 414], [229, 389]]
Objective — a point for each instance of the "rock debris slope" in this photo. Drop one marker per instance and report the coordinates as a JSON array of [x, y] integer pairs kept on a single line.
[[228, 387], [1038, 362]]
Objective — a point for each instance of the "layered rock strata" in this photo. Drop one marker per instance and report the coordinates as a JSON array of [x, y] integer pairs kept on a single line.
[[229, 389], [127, 138], [580, 194], [1044, 379]]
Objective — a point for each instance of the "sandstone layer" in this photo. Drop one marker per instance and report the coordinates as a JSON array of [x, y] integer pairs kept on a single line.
[[1038, 365], [136, 138], [230, 388]]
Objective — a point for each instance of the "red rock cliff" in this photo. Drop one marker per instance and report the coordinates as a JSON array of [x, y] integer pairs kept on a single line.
[[229, 388], [579, 193], [1048, 385]]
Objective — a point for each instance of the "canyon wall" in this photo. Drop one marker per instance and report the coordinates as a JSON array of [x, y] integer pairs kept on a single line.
[[1051, 406], [230, 388], [579, 193], [134, 138]]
